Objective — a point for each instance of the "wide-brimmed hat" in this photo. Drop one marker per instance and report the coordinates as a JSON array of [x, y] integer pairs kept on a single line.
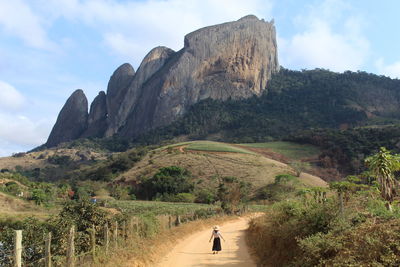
[[216, 227]]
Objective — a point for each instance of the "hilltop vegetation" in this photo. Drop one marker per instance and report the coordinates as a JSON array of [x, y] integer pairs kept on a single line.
[[294, 100]]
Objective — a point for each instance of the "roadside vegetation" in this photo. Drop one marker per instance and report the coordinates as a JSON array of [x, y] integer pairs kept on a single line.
[[355, 222]]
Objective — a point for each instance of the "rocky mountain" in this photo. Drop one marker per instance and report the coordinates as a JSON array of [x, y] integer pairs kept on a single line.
[[232, 60], [72, 121]]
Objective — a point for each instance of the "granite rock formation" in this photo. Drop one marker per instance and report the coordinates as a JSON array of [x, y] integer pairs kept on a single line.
[[116, 90], [230, 60], [97, 121], [152, 62], [72, 120]]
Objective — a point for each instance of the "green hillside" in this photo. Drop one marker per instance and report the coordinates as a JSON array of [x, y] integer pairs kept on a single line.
[[293, 101]]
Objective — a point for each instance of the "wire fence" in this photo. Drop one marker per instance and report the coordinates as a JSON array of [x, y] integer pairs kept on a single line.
[[76, 248]]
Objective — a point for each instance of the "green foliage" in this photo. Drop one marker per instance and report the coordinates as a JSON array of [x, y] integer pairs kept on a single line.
[[205, 196], [106, 171], [286, 186], [347, 149], [180, 197], [293, 101], [383, 165], [39, 196], [366, 244], [33, 230], [12, 188], [167, 181], [232, 192], [284, 178], [121, 192], [59, 159]]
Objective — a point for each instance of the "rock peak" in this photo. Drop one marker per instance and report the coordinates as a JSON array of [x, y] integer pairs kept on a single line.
[[72, 120], [229, 60], [248, 17]]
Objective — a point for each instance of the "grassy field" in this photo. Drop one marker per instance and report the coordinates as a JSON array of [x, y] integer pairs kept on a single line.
[[156, 207], [215, 147], [291, 150], [14, 207]]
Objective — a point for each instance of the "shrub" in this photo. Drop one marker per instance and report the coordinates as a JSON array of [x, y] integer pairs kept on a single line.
[[231, 192], [167, 181], [59, 159], [39, 196], [205, 196]]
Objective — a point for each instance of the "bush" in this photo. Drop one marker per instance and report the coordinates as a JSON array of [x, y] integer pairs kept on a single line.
[[276, 236], [205, 196], [39, 196], [59, 159], [167, 181], [12, 188]]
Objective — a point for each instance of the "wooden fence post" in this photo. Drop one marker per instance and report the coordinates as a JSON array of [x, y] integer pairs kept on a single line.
[[131, 227], [18, 248], [116, 234], [71, 248], [47, 250], [124, 230], [178, 220], [169, 222], [106, 237], [93, 242]]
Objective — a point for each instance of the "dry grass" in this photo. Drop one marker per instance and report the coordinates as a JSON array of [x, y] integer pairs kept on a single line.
[[39, 159], [13, 207], [147, 252], [207, 165]]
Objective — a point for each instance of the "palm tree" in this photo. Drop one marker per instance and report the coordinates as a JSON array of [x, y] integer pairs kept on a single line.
[[382, 165]]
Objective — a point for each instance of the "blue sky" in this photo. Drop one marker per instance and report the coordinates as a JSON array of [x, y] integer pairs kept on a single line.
[[49, 48]]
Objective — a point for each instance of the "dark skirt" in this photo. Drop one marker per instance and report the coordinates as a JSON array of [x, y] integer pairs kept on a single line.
[[216, 244]]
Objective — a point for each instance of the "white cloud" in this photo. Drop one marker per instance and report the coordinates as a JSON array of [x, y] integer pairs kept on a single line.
[[131, 29], [391, 70], [19, 130], [10, 98], [26, 25], [328, 39]]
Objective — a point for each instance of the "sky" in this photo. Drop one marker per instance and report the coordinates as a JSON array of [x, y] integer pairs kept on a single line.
[[50, 48]]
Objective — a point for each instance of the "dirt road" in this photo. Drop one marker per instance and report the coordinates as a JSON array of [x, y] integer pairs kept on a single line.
[[196, 250]]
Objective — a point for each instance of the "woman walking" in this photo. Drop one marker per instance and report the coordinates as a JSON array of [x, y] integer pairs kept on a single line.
[[216, 234]]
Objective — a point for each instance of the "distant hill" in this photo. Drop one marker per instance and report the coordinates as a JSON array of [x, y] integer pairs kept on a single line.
[[293, 101]]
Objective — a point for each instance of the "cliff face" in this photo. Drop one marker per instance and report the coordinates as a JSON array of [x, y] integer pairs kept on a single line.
[[230, 60], [97, 121], [152, 62], [72, 120]]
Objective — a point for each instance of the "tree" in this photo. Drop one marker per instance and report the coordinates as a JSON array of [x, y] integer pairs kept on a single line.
[[231, 192], [170, 180], [299, 167], [383, 164], [39, 196]]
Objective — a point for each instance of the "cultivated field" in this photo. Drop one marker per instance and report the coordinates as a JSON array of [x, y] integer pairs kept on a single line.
[[290, 150]]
